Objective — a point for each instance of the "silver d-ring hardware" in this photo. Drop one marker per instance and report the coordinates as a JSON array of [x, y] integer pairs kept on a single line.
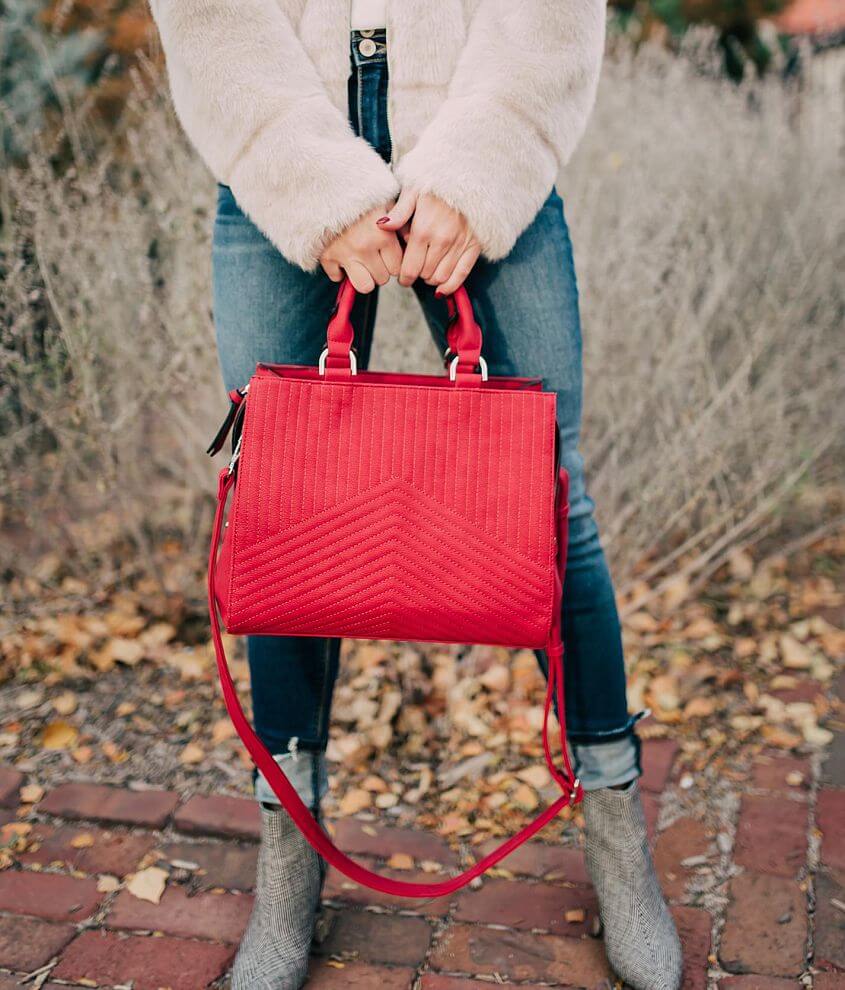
[[321, 364], [453, 367]]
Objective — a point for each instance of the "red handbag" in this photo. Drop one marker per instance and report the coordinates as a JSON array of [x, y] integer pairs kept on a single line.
[[375, 505]]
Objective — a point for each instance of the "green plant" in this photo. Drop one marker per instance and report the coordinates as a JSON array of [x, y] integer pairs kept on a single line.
[[745, 35]]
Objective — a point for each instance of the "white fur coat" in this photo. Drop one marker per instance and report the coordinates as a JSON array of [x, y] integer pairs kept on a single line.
[[487, 100]]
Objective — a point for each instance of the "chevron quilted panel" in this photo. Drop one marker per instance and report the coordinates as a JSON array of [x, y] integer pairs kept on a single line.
[[393, 512]]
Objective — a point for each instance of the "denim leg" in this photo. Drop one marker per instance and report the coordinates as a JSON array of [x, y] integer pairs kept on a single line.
[[266, 309], [527, 305]]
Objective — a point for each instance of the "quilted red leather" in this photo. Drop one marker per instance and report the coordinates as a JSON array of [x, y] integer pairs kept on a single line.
[[386, 506]]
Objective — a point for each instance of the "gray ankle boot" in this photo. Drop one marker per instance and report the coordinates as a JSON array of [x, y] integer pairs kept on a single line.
[[273, 954], [640, 937]]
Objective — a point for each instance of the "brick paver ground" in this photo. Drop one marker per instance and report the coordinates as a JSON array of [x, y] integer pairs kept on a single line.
[[758, 892]]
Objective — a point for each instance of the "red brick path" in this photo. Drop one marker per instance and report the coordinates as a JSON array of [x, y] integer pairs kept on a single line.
[[760, 904]]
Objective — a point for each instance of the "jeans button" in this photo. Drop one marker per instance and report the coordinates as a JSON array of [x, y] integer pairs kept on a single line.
[[367, 47]]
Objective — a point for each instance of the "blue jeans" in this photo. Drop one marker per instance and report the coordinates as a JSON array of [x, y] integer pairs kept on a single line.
[[267, 309]]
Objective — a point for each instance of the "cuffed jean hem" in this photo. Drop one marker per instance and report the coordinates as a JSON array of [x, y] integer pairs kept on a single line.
[[305, 769], [607, 764]]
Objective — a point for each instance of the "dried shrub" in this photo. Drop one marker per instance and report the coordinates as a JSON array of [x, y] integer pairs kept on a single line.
[[707, 223]]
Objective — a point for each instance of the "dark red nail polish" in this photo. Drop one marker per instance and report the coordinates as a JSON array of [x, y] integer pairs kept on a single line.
[[382, 220], [438, 294]]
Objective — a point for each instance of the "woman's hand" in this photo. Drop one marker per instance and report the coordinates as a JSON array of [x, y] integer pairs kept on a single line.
[[440, 248], [368, 254]]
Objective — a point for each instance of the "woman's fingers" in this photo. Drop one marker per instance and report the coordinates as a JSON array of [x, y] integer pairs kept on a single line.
[[446, 264], [377, 268], [401, 213], [438, 249], [332, 269], [463, 267], [392, 257], [360, 277], [413, 259]]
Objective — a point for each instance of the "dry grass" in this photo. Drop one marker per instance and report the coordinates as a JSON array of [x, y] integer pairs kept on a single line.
[[708, 226]]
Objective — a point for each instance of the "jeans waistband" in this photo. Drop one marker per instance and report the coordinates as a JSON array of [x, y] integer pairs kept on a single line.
[[368, 47]]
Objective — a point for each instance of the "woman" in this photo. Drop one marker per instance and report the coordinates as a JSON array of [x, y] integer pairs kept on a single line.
[[438, 171]]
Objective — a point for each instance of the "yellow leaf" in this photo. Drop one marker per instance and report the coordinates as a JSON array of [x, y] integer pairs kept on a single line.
[[158, 634], [148, 885], [222, 730], [114, 753], [496, 678], [525, 797], [191, 754], [355, 800], [642, 622], [29, 698], [106, 884], [574, 916], [83, 754], [66, 703], [58, 735], [82, 841], [32, 793], [375, 784], [401, 861], [699, 707], [537, 776], [794, 654], [127, 651]]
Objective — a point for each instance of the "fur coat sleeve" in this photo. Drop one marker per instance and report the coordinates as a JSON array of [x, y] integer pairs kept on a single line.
[[253, 104], [516, 107]]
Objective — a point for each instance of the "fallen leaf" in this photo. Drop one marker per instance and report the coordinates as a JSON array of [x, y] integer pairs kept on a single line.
[[642, 622], [82, 841], [82, 754], [222, 730], [537, 776], [374, 784], [148, 885], [777, 736], [496, 678], [355, 800], [114, 753], [66, 703], [29, 698], [699, 629], [107, 884], [59, 735], [401, 861], [741, 565], [575, 916], [699, 707], [32, 793], [192, 754], [525, 797], [794, 654]]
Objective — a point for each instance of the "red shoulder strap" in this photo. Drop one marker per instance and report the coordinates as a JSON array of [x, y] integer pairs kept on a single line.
[[300, 813]]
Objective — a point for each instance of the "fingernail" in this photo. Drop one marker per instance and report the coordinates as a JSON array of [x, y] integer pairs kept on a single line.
[[438, 294], [382, 220]]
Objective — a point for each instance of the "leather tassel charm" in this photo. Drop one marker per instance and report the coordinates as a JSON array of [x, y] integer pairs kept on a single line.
[[236, 397]]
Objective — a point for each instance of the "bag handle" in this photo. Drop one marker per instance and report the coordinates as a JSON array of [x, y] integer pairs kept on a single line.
[[299, 812], [463, 336]]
